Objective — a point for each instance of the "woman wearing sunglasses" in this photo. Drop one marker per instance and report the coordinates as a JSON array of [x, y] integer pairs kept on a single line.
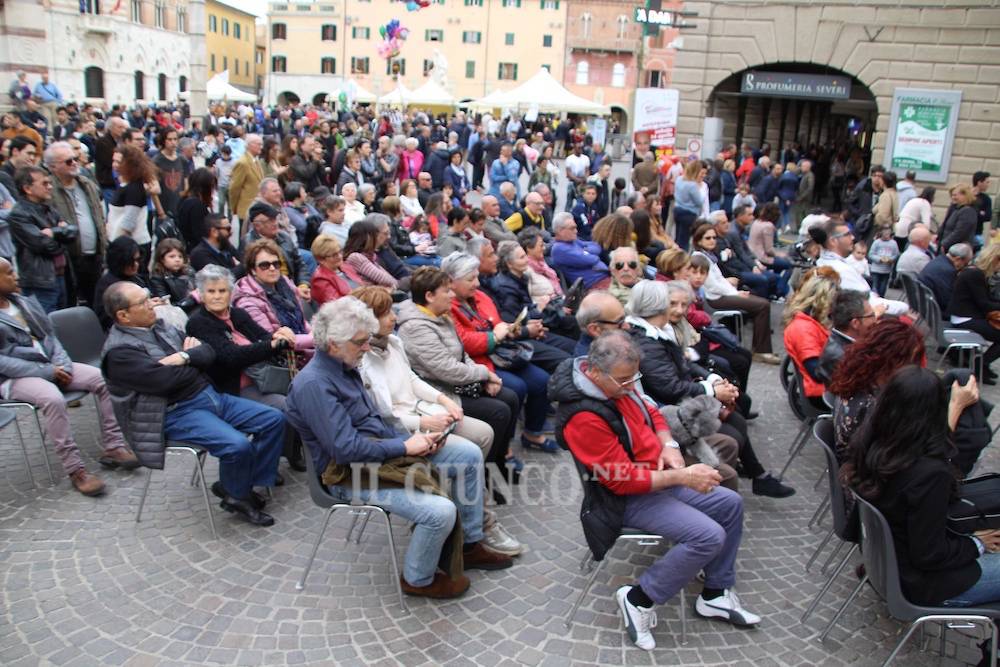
[[270, 298]]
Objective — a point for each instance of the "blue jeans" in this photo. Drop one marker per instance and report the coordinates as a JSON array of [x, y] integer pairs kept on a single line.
[[422, 260], [683, 219], [51, 298], [984, 591], [706, 529], [761, 284], [530, 384], [783, 268], [462, 462], [219, 422], [786, 214], [880, 282]]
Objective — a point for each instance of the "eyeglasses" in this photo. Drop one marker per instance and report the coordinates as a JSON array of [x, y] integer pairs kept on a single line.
[[865, 316], [627, 383], [137, 259], [143, 302], [706, 237], [360, 342], [228, 228], [621, 265], [264, 266], [612, 323], [840, 235], [70, 161]]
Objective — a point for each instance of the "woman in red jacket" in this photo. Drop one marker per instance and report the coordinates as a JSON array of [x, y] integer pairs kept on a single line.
[[328, 282], [481, 330]]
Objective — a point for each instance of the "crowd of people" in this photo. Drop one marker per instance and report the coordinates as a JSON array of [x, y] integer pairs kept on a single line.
[[402, 289]]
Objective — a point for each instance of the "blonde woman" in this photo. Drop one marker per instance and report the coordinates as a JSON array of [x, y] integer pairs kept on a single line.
[[807, 327], [959, 225], [688, 201]]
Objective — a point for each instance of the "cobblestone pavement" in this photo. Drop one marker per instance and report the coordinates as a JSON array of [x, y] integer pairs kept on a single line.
[[84, 584]]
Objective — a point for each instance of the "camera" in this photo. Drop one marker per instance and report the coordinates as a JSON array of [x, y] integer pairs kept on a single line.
[[65, 233]]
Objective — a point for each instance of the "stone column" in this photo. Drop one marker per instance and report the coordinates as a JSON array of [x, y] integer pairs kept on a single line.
[[198, 99]]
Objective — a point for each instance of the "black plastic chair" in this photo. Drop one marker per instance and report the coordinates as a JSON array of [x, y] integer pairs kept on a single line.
[[882, 572], [322, 498], [909, 281], [806, 412], [842, 527], [968, 343], [198, 453], [80, 333]]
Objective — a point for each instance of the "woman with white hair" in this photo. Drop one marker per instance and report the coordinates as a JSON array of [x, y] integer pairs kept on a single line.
[[243, 348], [482, 331], [411, 160], [656, 313], [354, 210], [399, 394]]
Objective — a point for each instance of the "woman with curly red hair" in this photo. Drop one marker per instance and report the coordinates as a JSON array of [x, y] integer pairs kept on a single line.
[[867, 366]]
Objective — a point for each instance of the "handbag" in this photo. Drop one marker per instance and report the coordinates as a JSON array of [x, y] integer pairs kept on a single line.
[[978, 505], [721, 335], [274, 378], [512, 355], [471, 390]]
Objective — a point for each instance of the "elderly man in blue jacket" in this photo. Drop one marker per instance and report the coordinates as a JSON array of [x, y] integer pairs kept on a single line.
[[339, 423]]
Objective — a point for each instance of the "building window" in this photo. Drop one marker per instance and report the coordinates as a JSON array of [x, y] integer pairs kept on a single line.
[[303, 8], [236, 30], [508, 72], [428, 66], [547, 68], [181, 20], [279, 31], [328, 66], [357, 32], [213, 23], [622, 25], [511, 3], [211, 60], [161, 86], [434, 35], [582, 73], [328, 33], [550, 4], [158, 15], [258, 58], [472, 37], [93, 82], [236, 66], [91, 7], [657, 78], [473, 3], [508, 39], [546, 41], [225, 62], [246, 67], [359, 65], [470, 69], [399, 62], [327, 8], [182, 84], [139, 82], [586, 19], [135, 11], [278, 64], [618, 75], [225, 27]]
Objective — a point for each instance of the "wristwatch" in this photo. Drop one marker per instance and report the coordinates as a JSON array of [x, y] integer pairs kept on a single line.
[[185, 356], [672, 444]]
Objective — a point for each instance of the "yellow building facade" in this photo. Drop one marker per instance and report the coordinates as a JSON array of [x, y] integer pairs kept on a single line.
[[230, 44], [484, 45]]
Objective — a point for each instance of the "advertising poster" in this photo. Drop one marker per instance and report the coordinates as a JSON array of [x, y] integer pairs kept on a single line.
[[655, 122], [922, 131]]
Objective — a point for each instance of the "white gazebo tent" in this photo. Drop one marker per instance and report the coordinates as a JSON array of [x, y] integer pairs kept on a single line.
[[431, 94], [219, 88], [544, 92], [495, 100], [401, 96], [361, 94]]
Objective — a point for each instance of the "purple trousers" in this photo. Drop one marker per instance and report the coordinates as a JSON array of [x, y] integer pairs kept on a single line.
[[49, 399], [706, 529]]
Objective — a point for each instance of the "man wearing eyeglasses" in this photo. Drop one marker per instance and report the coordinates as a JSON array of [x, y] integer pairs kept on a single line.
[[599, 313], [78, 201], [215, 247], [639, 477], [161, 393], [851, 316]]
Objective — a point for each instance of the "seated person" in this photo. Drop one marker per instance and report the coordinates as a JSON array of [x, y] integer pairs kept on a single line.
[[940, 273], [329, 407], [899, 462], [36, 369], [543, 282], [172, 278], [807, 328], [242, 348], [123, 259], [400, 394], [737, 261], [656, 312], [361, 261], [329, 283], [157, 377], [851, 315], [972, 302], [599, 312], [575, 258], [626, 271], [269, 297], [585, 212], [598, 399], [265, 226], [215, 247], [917, 254]]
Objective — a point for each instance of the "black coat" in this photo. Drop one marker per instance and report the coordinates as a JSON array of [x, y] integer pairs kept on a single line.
[[939, 275], [666, 375], [970, 296], [511, 295], [230, 359], [958, 227], [177, 287]]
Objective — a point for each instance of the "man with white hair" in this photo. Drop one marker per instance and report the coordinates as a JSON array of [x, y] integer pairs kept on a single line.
[[508, 200], [330, 408], [626, 271], [917, 254], [245, 180], [576, 258], [78, 201], [495, 230]]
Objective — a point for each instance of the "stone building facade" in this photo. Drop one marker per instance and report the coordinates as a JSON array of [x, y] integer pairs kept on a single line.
[[880, 46]]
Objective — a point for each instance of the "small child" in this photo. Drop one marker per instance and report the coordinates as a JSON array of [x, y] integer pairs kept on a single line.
[[172, 277], [420, 237], [858, 259], [883, 255], [743, 198], [224, 171]]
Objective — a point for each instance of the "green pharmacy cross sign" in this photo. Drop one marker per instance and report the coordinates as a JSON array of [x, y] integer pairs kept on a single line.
[[922, 131]]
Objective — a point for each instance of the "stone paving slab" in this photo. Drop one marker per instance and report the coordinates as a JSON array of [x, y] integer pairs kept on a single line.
[[84, 584]]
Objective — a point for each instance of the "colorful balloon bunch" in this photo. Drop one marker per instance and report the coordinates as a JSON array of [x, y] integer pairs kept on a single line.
[[416, 5], [393, 35]]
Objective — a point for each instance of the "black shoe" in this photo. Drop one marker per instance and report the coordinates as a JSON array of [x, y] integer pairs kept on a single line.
[[772, 487], [247, 510], [258, 501], [294, 456], [751, 415], [278, 479]]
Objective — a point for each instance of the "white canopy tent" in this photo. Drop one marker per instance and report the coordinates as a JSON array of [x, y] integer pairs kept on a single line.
[[432, 94], [219, 88], [544, 92], [401, 96], [355, 91]]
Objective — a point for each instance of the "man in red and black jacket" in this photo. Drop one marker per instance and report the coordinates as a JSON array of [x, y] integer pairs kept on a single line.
[[622, 440]]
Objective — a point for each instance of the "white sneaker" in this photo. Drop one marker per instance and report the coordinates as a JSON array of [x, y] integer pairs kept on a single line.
[[638, 621], [499, 540], [728, 608]]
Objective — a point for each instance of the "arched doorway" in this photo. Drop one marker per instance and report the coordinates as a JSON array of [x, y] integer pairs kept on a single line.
[[139, 81], [288, 97], [182, 84], [93, 82], [620, 115], [161, 86], [789, 103], [319, 99]]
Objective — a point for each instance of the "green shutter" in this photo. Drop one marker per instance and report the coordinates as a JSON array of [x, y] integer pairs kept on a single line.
[[515, 65]]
